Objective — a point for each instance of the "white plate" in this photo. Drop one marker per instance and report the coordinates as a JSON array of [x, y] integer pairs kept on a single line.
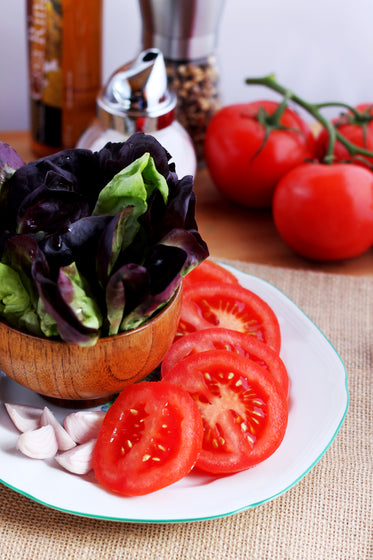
[[318, 405]]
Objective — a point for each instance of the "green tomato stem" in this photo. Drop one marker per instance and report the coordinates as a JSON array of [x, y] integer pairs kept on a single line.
[[338, 104], [313, 110]]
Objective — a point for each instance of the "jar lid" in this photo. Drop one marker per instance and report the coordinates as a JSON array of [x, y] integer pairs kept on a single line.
[[136, 97], [181, 29]]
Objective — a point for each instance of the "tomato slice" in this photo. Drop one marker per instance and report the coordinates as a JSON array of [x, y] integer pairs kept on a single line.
[[213, 304], [209, 271], [218, 338], [151, 437], [243, 411]]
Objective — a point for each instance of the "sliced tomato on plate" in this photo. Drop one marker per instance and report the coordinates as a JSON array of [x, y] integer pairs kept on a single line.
[[243, 410], [151, 437], [209, 271], [213, 304], [217, 338]]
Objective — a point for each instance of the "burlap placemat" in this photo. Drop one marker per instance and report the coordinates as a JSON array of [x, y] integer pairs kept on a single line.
[[328, 515]]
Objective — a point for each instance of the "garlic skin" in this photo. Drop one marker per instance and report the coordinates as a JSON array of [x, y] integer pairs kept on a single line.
[[23, 416], [78, 460], [64, 440], [84, 425], [38, 444]]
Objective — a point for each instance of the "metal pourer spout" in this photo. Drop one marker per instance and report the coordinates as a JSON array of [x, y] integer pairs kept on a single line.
[[138, 89]]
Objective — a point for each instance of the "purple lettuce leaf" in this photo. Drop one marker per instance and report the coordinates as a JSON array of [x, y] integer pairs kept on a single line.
[[51, 211], [124, 290], [61, 299], [79, 243], [191, 242], [114, 237], [10, 161], [115, 156], [180, 207]]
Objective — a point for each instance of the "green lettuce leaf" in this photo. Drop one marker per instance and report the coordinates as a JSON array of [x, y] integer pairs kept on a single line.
[[48, 324], [75, 291], [132, 186], [16, 304]]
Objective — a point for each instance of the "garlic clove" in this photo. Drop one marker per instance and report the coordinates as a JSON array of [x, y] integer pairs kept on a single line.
[[78, 460], [84, 425], [64, 440], [23, 416], [38, 444]]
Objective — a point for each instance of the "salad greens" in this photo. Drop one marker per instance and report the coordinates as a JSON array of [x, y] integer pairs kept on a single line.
[[94, 243], [9, 162]]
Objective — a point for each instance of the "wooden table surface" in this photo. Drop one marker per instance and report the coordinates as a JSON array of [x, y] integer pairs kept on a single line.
[[234, 232]]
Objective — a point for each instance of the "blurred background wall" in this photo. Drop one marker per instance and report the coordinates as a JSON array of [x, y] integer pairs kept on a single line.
[[322, 49]]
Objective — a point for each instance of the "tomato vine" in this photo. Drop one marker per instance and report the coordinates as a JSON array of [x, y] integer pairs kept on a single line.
[[314, 110]]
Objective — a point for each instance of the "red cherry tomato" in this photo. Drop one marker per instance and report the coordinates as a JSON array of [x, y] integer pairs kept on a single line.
[[243, 411], [151, 437], [244, 165], [224, 339], [209, 270], [358, 133], [215, 304], [325, 212]]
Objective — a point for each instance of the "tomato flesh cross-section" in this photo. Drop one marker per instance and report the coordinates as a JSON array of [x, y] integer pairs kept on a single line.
[[214, 304], [243, 410], [218, 338], [151, 437]]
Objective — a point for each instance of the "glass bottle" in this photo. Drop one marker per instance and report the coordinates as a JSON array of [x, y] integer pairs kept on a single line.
[[64, 51]]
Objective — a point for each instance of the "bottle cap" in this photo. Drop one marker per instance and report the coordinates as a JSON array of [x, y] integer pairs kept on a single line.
[[136, 97]]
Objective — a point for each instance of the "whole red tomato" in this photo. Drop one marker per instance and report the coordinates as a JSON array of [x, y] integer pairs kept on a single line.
[[358, 132], [246, 160], [325, 212]]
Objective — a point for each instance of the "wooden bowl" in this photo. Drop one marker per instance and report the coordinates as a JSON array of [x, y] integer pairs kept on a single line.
[[71, 375]]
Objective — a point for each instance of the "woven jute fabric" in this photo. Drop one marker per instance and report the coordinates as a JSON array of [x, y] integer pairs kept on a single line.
[[328, 515]]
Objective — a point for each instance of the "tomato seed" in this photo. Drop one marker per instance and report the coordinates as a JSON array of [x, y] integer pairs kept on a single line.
[[146, 458], [161, 447], [134, 411], [259, 413]]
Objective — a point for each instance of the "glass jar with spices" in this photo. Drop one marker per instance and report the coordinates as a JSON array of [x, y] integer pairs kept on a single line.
[[186, 32]]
